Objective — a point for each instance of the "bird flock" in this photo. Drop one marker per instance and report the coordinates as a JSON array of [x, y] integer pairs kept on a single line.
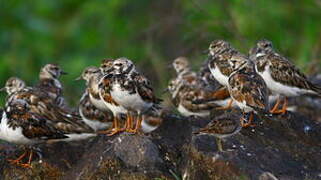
[[118, 98]]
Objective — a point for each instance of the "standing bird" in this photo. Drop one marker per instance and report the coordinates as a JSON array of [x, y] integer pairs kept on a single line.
[[247, 88], [131, 90], [49, 83], [220, 52], [222, 127], [281, 76], [97, 119], [105, 99], [20, 125]]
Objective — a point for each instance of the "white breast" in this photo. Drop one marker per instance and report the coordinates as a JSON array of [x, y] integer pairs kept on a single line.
[[98, 103], [129, 101], [146, 128], [12, 135], [278, 88], [219, 76], [185, 112], [94, 124]]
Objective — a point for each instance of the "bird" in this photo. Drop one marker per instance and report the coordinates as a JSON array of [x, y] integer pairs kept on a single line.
[[196, 101], [184, 72], [49, 82], [97, 119], [43, 105], [222, 127], [281, 75], [247, 89], [130, 89], [219, 53], [152, 119], [21, 126], [106, 100]]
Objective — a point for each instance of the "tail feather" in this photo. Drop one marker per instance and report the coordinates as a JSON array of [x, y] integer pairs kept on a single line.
[[316, 89]]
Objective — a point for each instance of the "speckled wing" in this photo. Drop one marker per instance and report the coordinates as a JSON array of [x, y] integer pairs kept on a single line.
[[284, 72], [41, 104], [91, 112], [250, 88], [48, 86], [144, 88], [105, 89], [33, 125], [222, 125], [187, 97]]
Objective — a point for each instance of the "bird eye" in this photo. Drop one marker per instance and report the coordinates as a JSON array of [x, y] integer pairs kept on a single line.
[[118, 64]]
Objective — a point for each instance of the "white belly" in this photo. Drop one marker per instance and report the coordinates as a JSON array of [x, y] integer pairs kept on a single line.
[[221, 78], [98, 103], [129, 101], [147, 128], [278, 88], [12, 135], [243, 106], [185, 112], [225, 102], [95, 125]]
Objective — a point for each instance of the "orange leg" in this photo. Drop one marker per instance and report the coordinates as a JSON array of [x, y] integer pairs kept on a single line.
[[138, 123], [18, 160], [284, 107], [275, 107], [248, 124], [229, 106], [28, 165], [115, 129]]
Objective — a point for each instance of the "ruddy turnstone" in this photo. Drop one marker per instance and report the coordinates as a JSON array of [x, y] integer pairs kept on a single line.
[[184, 72], [152, 119], [247, 88], [19, 125], [43, 105], [220, 52], [94, 117], [130, 89], [185, 95], [104, 88], [281, 76], [49, 83], [222, 127]]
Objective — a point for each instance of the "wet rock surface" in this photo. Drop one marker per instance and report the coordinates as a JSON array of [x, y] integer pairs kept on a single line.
[[281, 147]]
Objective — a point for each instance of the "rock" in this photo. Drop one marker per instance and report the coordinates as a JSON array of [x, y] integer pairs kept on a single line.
[[281, 147]]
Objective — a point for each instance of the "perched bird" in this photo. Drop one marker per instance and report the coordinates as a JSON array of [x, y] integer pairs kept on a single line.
[[20, 125], [184, 97], [247, 88], [184, 72], [208, 79], [130, 89], [220, 52], [104, 87], [222, 127], [152, 119], [280, 75], [41, 104], [97, 119], [49, 83]]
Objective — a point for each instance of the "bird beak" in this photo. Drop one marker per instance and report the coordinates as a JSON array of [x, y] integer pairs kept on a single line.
[[78, 78], [206, 51], [165, 90], [63, 73]]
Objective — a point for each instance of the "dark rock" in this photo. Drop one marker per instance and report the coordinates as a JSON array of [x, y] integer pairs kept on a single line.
[[281, 147]]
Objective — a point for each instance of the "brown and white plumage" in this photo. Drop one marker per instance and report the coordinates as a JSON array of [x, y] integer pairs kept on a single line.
[[220, 52], [222, 127], [96, 118], [281, 75], [41, 104], [49, 82]]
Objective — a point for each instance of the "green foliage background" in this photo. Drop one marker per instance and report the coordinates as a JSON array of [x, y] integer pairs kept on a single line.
[[152, 33]]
